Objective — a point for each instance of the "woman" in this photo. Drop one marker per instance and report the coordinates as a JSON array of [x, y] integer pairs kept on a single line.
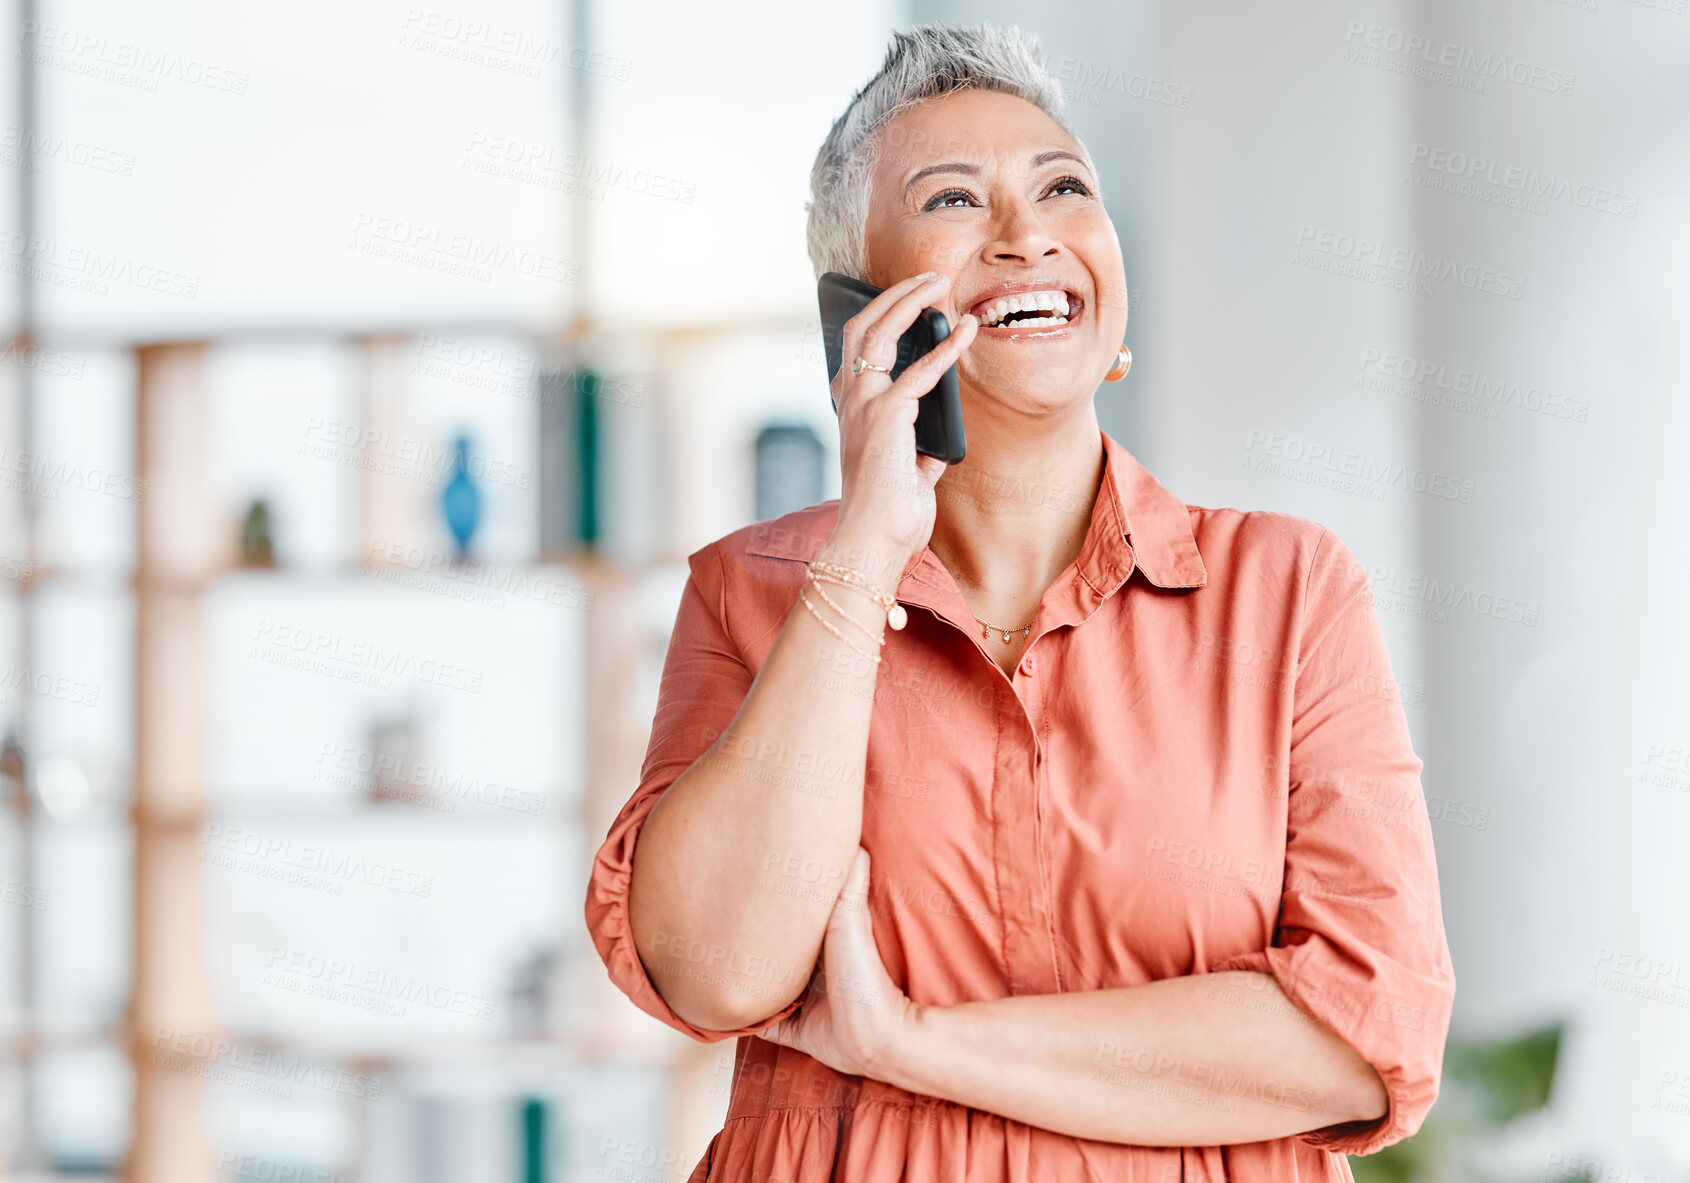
[[1153, 893]]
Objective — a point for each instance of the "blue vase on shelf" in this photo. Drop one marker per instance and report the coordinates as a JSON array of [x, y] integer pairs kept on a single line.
[[460, 500]]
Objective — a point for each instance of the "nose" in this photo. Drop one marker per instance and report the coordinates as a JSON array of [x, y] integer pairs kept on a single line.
[[1019, 235]]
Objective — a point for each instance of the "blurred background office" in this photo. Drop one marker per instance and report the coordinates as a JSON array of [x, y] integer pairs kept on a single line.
[[370, 370]]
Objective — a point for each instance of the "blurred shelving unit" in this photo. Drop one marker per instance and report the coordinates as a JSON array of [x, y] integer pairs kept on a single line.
[[267, 689], [187, 575], [199, 812], [232, 786]]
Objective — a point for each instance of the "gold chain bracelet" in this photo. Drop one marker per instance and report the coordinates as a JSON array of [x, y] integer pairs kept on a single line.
[[814, 611], [828, 600], [896, 617]]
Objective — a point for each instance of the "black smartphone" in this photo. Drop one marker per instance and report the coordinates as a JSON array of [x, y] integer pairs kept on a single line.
[[938, 420]]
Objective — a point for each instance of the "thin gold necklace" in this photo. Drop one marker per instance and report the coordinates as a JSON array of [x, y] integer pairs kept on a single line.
[[988, 629]]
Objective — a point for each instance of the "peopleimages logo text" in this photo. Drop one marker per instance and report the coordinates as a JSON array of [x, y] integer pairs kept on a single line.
[[1425, 52], [1409, 261]]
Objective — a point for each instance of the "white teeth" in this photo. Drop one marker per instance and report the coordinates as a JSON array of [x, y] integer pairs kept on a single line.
[[1050, 301]]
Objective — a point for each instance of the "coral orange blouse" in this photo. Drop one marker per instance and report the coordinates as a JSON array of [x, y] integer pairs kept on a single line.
[[1201, 763]]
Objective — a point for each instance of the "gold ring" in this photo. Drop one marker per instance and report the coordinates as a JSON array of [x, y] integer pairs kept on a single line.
[[858, 365]]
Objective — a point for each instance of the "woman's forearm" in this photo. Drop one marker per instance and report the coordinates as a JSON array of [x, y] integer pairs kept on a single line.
[[738, 865], [1205, 1060]]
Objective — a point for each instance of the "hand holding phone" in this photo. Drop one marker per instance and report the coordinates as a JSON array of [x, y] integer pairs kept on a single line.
[[886, 502], [938, 422]]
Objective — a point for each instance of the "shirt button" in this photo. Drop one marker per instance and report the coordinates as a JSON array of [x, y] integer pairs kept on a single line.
[[1028, 665]]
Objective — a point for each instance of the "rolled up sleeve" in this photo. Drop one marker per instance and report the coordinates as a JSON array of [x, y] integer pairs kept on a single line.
[[704, 683], [1360, 944]]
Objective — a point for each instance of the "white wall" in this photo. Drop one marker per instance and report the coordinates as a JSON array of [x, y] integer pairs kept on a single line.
[[1552, 726]]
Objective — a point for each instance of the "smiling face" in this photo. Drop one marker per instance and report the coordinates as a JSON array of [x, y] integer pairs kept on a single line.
[[988, 189]]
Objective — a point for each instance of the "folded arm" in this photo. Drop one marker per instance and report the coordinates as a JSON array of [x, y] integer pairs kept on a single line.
[[1206, 1060]]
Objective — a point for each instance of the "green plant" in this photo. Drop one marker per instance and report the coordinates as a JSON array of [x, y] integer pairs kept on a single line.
[[1486, 1085]]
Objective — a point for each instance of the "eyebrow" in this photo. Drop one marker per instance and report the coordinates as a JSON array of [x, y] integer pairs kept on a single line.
[[958, 166], [1044, 158], [955, 166]]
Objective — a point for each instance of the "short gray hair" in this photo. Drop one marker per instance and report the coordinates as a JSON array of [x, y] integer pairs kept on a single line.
[[924, 63]]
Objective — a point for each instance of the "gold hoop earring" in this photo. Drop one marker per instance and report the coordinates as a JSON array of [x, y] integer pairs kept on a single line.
[[1123, 363]]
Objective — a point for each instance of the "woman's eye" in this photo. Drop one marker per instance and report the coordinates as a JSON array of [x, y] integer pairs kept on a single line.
[[950, 199], [1069, 185]]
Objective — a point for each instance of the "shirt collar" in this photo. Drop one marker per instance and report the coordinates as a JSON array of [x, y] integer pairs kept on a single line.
[[1153, 523], [1135, 524]]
